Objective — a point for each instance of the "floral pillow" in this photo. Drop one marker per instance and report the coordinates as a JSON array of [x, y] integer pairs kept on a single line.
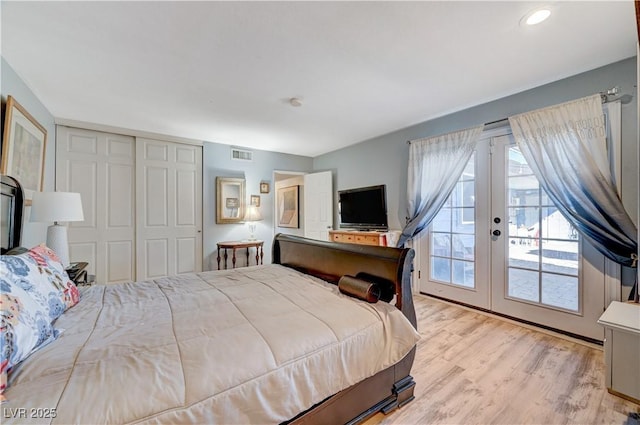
[[40, 274], [49, 264], [25, 323]]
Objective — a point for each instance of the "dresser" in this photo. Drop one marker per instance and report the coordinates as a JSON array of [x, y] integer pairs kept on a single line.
[[363, 238]]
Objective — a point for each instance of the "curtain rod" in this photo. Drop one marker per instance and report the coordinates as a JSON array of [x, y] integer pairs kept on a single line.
[[485, 124], [604, 95], [615, 91]]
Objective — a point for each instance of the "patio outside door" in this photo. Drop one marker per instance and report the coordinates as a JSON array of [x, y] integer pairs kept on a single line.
[[500, 244], [541, 270]]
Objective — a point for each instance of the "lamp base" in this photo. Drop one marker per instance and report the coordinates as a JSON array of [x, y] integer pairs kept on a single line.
[[252, 231], [58, 242]]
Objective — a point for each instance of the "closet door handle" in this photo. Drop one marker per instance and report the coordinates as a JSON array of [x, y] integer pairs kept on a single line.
[[497, 233]]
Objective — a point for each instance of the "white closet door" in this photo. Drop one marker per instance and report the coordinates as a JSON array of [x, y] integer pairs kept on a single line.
[[100, 166], [169, 208]]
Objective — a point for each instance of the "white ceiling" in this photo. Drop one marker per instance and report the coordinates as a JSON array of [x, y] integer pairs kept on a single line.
[[223, 71]]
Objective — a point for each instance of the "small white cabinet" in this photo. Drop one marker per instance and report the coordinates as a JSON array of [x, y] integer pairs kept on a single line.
[[621, 323]]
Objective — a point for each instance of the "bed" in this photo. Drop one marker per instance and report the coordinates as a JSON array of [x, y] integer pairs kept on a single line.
[[11, 203], [278, 343]]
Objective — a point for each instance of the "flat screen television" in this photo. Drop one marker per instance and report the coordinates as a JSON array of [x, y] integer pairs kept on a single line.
[[363, 208]]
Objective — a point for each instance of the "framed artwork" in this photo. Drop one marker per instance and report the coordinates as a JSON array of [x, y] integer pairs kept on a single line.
[[230, 200], [264, 187], [23, 147], [255, 200], [288, 212]]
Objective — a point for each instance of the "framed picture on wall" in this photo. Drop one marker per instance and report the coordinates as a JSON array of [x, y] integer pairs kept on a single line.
[[255, 200], [288, 213], [23, 147], [230, 200], [264, 187]]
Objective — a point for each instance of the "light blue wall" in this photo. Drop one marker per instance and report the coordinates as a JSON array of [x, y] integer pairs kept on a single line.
[[384, 159], [12, 85], [217, 162]]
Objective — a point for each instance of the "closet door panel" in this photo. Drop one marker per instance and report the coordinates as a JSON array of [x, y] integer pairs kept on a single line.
[[83, 178], [120, 267], [156, 197], [156, 260], [186, 198], [169, 235], [186, 249], [100, 166], [120, 195]]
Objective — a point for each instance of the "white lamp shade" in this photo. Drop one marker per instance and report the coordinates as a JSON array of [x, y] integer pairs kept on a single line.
[[252, 214], [56, 206]]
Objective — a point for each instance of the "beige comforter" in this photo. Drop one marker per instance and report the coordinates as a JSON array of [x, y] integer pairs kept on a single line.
[[252, 345]]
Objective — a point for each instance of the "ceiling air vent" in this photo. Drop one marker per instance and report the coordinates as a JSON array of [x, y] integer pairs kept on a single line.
[[241, 154]]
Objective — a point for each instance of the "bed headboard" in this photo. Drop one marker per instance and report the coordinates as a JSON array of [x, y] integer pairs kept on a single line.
[[12, 204], [330, 261]]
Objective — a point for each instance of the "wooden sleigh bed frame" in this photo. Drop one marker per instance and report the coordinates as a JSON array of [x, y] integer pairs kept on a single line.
[[390, 388], [390, 267]]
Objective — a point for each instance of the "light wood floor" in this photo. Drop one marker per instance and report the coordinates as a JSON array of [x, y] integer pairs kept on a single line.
[[473, 368]]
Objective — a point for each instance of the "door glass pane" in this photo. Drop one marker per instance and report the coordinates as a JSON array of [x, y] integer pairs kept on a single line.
[[441, 269], [543, 246], [442, 221], [560, 291], [555, 226], [524, 284], [464, 220], [523, 190], [463, 246], [560, 257], [453, 234], [517, 164], [523, 254], [463, 273], [441, 244]]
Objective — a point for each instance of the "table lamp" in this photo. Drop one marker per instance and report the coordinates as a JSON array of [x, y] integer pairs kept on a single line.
[[252, 215], [55, 207]]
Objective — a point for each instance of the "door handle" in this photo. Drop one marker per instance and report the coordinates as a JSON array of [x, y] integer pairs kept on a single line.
[[497, 233]]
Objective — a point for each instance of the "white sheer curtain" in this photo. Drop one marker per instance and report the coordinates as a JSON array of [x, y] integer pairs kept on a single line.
[[435, 165], [565, 146]]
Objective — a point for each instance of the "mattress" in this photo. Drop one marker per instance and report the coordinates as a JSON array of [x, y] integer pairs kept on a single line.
[[253, 345]]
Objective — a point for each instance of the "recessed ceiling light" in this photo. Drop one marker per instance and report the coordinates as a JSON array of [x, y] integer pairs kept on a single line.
[[537, 16]]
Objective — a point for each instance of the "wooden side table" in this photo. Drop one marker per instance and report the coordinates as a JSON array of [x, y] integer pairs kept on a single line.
[[234, 245]]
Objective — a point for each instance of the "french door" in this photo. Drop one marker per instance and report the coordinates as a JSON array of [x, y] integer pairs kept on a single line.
[[500, 244]]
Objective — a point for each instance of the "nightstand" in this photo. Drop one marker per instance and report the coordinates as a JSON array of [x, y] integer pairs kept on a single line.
[[78, 274]]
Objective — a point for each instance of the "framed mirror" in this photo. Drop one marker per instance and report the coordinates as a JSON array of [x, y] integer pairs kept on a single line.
[[230, 200]]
